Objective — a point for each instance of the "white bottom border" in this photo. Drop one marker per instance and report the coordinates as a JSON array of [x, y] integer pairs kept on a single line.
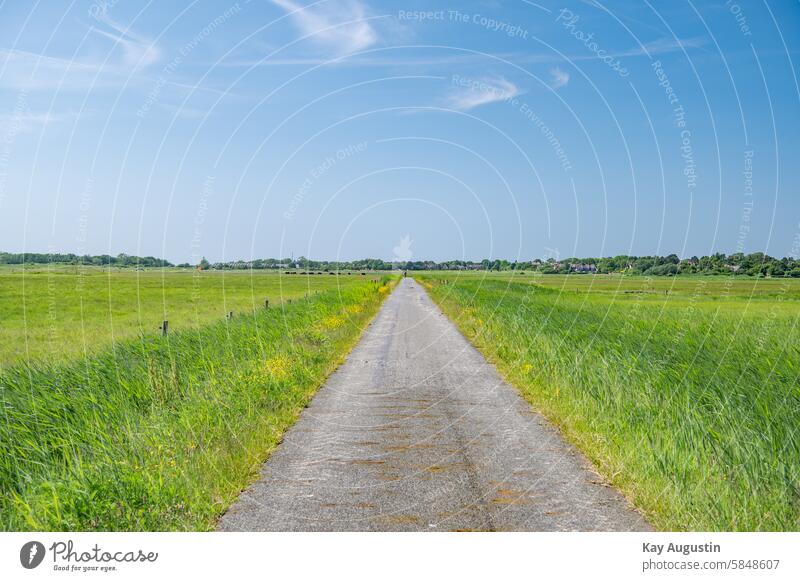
[[378, 556]]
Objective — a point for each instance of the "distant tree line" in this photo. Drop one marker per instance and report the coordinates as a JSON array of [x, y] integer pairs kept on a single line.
[[305, 263], [755, 264], [99, 260]]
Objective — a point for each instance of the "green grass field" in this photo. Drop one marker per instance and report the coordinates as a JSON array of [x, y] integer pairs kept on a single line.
[[58, 312], [683, 391], [656, 287], [162, 433]]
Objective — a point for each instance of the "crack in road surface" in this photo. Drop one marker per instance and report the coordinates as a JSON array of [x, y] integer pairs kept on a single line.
[[416, 431]]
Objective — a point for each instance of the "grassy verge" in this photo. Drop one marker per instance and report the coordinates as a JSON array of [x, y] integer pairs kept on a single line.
[[163, 433], [690, 406]]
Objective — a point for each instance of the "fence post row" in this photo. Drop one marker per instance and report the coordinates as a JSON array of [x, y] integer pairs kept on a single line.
[[165, 325]]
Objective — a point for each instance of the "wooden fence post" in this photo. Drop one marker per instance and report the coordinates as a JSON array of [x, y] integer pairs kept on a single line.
[[266, 303], [164, 328]]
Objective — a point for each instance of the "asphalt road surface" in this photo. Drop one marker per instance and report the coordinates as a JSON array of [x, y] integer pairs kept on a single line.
[[416, 431]]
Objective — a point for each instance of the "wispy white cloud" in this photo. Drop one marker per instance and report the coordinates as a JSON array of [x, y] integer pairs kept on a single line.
[[184, 112], [394, 58], [138, 51], [665, 45], [27, 121], [10, 56], [197, 88], [31, 71], [471, 93], [376, 60], [338, 25], [559, 78]]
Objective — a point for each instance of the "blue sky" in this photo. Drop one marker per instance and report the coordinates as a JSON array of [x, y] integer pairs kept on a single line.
[[340, 129]]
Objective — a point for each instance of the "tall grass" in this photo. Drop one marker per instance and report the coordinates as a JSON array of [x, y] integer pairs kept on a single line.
[[163, 433], [59, 312], [690, 405]]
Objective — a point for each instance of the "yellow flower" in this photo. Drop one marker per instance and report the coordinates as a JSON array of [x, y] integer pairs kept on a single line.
[[332, 322], [278, 367]]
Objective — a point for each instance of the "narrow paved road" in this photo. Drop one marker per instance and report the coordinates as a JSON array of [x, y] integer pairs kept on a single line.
[[416, 431]]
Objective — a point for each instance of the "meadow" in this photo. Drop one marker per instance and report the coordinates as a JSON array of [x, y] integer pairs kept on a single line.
[[162, 433], [57, 312], [683, 391]]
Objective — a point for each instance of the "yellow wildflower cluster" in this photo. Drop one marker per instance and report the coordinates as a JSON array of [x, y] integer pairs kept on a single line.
[[332, 322], [278, 367]]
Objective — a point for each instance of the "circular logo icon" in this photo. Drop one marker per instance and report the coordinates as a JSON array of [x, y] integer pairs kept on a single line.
[[31, 554]]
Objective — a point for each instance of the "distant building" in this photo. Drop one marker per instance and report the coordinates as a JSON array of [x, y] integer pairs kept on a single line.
[[583, 268]]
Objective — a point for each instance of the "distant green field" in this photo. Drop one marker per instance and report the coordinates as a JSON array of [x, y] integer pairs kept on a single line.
[[711, 287], [163, 433], [57, 312], [684, 392]]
